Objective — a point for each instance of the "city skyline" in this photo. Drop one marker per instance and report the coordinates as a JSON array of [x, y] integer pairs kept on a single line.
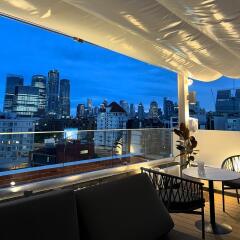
[[95, 73]]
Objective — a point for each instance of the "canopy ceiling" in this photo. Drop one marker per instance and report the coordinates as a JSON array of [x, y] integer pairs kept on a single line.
[[200, 38]]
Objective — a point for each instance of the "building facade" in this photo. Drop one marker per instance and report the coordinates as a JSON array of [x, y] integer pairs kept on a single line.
[[39, 81], [168, 108], [53, 93], [80, 111], [26, 101], [228, 101], [124, 104], [153, 111], [64, 98], [141, 113], [15, 148], [114, 117], [12, 82]]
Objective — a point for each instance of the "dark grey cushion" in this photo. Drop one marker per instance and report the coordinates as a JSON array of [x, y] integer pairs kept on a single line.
[[127, 209], [48, 216]]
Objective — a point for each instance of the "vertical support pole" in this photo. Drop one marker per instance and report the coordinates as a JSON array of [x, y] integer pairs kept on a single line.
[[183, 105]]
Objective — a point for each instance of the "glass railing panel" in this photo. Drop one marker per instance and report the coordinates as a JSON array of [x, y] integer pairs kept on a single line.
[[34, 156]]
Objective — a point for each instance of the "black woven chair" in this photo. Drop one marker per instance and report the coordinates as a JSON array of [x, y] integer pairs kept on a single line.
[[232, 164], [178, 194]]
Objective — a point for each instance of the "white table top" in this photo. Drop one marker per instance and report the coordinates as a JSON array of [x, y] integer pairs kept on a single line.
[[214, 174]]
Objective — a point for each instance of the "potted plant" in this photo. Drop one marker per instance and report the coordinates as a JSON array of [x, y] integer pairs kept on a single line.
[[186, 145]]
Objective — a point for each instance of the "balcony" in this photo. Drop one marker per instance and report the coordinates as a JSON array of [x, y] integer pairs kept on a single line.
[[46, 156], [41, 156], [195, 40], [48, 160]]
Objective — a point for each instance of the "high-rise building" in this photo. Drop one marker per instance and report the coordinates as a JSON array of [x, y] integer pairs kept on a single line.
[[15, 148], [64, 98], [114, 117], [39, 81], [26, 101], [105, 103], [141, 113], [95, 111], [168, 108], [52, 92], [124, 105], [89, 107], [228, 101], [132, 111], [153, 111], [80, 111], [12, 82]]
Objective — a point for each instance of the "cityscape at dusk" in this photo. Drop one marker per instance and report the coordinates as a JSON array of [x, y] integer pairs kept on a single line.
[[120, 119], [95, 73]]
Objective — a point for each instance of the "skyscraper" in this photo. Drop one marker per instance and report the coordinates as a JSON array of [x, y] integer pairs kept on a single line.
[[168, 108], [64, 98], [89, 107], [39, 81], [52, 92], [80, 110], [26, 101], [12, 82], [141, 111], [228, 101], [153, 111], [132, 111], [124, 105]]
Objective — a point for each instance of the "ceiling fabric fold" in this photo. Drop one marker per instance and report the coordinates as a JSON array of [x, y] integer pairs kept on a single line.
[[198, 38]]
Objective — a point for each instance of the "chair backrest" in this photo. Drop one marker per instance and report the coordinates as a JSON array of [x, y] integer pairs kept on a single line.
[[46, 216], [232, 163], [125, 209], [174, 189]]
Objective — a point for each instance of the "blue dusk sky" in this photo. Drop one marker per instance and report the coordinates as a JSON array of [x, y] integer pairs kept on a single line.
[[94, 72]]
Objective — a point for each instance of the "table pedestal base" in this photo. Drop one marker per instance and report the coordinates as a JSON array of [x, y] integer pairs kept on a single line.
[[216, 229]]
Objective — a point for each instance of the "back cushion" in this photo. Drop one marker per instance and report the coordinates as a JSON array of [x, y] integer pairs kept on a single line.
[[127, 209], [48, 216]]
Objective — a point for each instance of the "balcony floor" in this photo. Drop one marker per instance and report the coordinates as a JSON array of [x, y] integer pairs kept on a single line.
[[186, 222]]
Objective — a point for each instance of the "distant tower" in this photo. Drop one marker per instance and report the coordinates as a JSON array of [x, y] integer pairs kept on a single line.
[[105, 103], [64, 98], [132, 111], [141, 111], [153, 111], [124, 105], [39, 81], [168, 108], [80, 110], [52, 92], [89, 107], [12, 82]]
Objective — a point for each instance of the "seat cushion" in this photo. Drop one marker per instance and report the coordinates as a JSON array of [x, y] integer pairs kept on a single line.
[[47, 216], [126, 209], [233, 183]]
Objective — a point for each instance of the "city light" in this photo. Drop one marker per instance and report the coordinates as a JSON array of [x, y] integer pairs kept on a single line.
[[12, 183]]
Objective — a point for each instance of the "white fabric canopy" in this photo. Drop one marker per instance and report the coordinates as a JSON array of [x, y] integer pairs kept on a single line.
[[200, 38]]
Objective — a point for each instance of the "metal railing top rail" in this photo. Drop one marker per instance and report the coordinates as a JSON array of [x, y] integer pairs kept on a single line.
[[82, 131]]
